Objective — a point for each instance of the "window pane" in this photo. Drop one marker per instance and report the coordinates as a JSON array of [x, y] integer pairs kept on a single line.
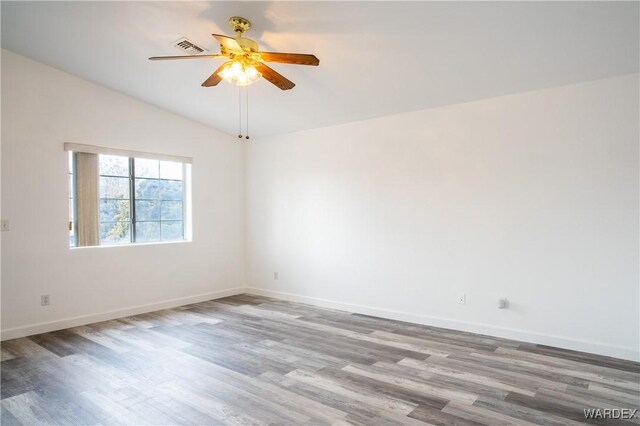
[[71, 209], [170, 170], [114, 187], [171, 210], [147, 168], [71, 191], [70, 162], [114, 165], [115, 233], [147, 210], [114, 210], [171, 190], [172, 231], [147, 189], [147, 232]]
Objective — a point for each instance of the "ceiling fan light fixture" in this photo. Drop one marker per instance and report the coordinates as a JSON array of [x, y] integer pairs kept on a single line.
[[239, 73], [246, 63]]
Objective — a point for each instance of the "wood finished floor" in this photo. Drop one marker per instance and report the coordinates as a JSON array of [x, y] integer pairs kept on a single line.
[[255, 360]]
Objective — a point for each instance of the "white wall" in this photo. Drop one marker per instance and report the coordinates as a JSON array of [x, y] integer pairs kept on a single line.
[[533, 197], [41, 109]]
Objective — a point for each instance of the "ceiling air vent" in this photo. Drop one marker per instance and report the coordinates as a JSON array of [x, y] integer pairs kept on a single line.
[[187, 46]]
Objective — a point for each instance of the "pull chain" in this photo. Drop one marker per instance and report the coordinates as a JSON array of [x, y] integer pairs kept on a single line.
[[247, 106], [239, 112]]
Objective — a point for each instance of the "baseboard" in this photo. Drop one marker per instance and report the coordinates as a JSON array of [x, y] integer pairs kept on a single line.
[[508, 333], [44, 327]]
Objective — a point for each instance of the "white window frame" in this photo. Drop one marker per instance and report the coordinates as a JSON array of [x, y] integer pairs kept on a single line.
[[132, 155]]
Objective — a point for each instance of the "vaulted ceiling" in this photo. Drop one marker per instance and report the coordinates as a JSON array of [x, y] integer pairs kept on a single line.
[[376, 58]]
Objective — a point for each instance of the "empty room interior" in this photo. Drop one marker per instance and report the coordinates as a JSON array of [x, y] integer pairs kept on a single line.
[[320, 213]]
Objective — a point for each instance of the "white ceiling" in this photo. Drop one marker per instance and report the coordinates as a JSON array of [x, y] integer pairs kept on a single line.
[[376, 58]]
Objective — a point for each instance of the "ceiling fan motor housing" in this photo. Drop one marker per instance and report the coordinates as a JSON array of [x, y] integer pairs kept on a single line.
[[247, 44]]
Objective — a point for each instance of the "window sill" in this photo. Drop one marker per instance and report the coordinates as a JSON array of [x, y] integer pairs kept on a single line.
[[155, 243]]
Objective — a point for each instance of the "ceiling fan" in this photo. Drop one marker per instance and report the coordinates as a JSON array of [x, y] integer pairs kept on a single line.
[[246, 63]]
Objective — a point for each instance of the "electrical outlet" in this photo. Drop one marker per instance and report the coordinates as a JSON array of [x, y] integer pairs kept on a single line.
[[44, 300], [462, 299], [275, 275], [4, 226]]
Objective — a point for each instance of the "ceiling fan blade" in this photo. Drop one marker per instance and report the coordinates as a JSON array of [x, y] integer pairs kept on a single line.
[[214, 78], [290, 58], [272, 76], [164, 58], [229, 43]]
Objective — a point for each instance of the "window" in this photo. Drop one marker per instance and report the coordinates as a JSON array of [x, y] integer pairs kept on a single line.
[[139, 200]]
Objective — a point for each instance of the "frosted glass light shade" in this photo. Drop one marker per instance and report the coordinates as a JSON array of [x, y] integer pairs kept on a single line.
[[239, 73]]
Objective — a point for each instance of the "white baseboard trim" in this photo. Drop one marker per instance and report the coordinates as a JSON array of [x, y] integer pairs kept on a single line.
[[632, 354], [45, 327]]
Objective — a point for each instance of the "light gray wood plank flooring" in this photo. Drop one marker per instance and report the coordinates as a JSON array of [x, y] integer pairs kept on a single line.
[[252, 360]]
